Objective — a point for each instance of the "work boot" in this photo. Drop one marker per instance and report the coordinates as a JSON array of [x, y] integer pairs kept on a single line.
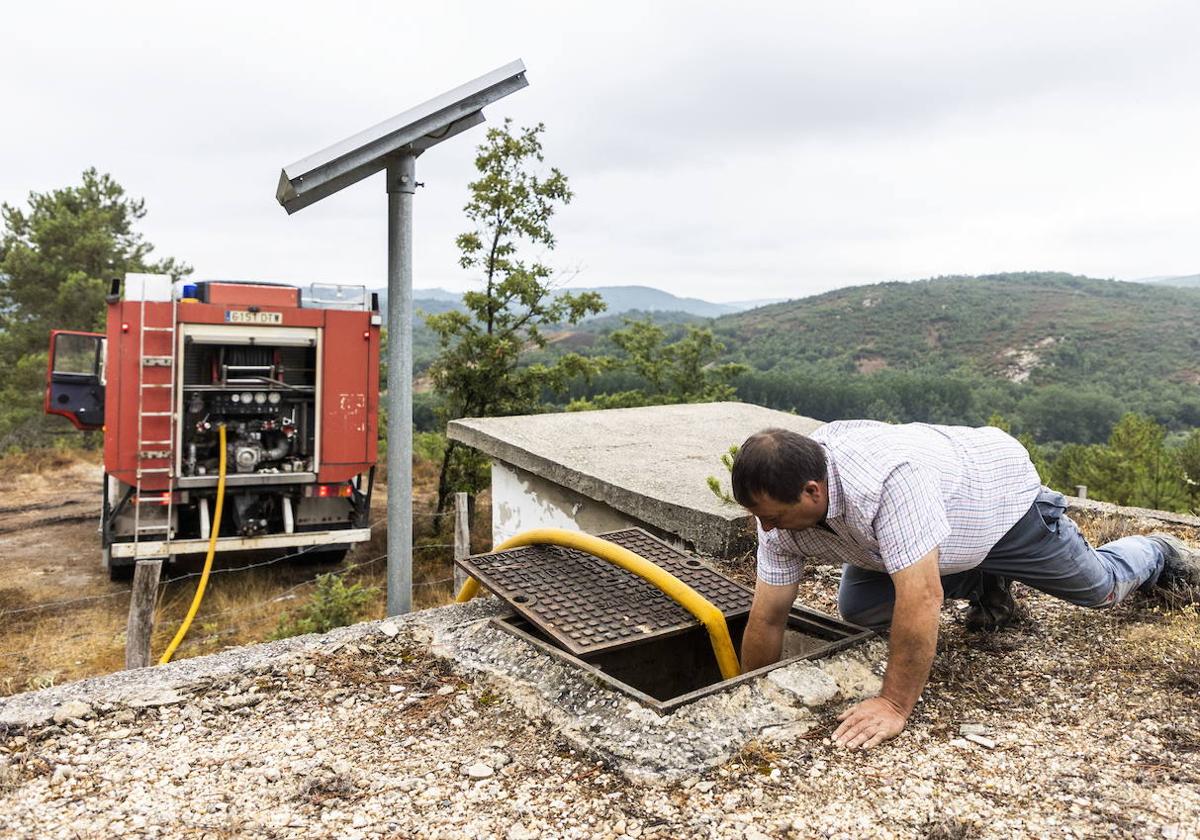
[[993, 607], [1181, 566]]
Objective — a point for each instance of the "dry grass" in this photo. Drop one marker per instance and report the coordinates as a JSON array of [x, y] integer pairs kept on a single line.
[[42, 461], [42, 648]]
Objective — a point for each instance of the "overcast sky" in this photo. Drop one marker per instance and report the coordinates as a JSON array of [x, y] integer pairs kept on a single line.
[[762, 150]]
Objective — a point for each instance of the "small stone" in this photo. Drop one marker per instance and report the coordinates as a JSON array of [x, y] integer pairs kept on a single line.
[[444, 690], [478, 770], [61, 773], [310, 669], [389, 629], [395, 689], [703, 787], [150, 700], [271, 774], [986, 743], [72, 709], [239, 701], [519, 832], [961, 743], [972, 729], [808, 683]]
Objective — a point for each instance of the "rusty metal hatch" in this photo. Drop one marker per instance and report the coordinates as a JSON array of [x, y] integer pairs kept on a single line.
[[589, 605]]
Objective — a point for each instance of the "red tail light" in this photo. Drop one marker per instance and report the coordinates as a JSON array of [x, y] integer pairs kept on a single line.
[[333, 491]]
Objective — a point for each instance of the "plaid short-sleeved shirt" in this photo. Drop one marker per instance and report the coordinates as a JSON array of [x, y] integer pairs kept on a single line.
[[898, 492]]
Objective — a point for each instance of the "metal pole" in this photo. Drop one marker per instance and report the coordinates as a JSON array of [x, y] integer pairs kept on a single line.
[[401, 184]]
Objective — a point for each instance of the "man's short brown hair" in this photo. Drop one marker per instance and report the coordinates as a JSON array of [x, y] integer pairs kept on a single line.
[[776, 463]]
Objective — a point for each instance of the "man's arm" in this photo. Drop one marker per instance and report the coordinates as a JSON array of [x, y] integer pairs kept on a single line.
[[762, 642], [911, 649]]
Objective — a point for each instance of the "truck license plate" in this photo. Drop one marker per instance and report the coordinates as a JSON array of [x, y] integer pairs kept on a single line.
[[241, 316]]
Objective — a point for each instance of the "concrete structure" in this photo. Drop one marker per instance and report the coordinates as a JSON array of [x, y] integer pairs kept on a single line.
[[598, 471]]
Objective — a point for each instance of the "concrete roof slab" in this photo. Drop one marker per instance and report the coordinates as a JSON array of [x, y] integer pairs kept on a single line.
[[650, 463]]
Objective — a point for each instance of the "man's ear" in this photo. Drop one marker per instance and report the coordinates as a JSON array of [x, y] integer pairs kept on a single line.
[[813, 490]]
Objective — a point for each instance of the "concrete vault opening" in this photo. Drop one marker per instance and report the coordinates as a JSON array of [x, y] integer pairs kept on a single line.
[[624, 632]]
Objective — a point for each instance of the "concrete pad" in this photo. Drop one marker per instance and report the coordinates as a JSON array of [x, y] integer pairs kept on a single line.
[[650, 463], [627, 735]]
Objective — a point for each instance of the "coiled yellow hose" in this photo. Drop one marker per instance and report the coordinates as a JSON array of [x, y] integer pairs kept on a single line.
[[675, 589], [212, 549]]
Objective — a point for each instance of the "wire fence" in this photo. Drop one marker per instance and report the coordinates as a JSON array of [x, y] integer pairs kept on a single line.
[[59, 641], [234, 612], [173, 579]]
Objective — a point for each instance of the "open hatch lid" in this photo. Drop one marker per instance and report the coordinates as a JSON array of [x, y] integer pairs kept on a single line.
[[588, 604]]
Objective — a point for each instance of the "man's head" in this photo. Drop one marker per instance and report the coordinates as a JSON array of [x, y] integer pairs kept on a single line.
[[779, 476]]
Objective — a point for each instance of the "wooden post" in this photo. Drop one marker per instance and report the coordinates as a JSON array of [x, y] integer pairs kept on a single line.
[[141, 613], [1081, 491], [462, 537]]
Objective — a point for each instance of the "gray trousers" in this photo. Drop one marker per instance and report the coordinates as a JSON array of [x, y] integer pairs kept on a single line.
[[1044, 550]]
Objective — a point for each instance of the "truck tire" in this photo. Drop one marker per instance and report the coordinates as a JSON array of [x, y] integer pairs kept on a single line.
[[116, 573]]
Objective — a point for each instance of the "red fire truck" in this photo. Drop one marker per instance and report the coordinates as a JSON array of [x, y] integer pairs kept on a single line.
[[289, 378]]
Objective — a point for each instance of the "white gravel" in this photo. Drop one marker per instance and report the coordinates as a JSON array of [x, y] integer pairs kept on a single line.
[[366, 733]]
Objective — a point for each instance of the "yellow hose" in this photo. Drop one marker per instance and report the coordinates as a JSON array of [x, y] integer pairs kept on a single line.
[[675, 589], [212, 549]]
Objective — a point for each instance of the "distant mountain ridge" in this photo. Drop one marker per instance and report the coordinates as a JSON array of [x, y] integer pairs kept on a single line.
[[620, 299], [1187, 281], [1040, 327]]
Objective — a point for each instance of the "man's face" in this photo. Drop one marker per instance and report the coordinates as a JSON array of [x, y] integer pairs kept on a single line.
[[803, 513]]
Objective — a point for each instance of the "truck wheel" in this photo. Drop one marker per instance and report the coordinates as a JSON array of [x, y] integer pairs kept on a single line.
[[116, 573]]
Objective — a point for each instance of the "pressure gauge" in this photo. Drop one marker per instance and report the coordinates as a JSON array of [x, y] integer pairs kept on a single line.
[[274, 397], [260, 397], [236, 397], [247, 397]]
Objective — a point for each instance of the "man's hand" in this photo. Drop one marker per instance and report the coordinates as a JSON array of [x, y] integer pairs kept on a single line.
[[911, 647], [869, 723], [762, 640]]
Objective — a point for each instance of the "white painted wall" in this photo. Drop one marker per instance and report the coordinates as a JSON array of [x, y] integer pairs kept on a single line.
[[522, 501]]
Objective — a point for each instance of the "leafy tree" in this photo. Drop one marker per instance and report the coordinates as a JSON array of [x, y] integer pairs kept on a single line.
[[1135, 468], [1188, 457], [56, 258], [681, 371], [478, 371]]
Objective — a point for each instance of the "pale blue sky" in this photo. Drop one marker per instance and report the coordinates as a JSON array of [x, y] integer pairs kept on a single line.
[[756, 150]]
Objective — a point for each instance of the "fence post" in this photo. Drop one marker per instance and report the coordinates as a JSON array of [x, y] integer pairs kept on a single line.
[[1081, 491], [462, 537], [141, 613]]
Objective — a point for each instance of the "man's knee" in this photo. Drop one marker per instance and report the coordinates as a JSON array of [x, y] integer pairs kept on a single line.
[[874, 616]]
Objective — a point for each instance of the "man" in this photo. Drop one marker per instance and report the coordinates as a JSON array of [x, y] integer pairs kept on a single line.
[[917, 513]]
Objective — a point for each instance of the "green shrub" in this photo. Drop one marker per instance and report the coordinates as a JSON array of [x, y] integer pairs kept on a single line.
[[332, 604]]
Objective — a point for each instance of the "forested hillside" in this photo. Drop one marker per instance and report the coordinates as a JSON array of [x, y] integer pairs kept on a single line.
[[1063, 355]]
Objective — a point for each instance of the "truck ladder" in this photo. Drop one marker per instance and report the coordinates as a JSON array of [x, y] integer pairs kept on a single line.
[[152, 453]]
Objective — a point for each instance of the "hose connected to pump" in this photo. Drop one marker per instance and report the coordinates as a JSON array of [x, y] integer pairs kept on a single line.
[[675, 589], [208, 559]]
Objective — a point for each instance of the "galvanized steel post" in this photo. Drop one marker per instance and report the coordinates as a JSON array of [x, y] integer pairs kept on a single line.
[[401, 184]]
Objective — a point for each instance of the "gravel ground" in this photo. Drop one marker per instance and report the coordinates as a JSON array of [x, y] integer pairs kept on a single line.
[[1073, 724]]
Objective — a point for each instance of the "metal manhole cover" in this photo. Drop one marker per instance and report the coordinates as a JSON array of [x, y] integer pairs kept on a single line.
[[589, 604]]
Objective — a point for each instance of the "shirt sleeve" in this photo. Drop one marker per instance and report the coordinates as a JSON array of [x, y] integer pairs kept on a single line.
[[911, 520], [779, 563]]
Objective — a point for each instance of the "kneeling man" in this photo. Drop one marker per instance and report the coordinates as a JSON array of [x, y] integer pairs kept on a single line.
[[918, 513]]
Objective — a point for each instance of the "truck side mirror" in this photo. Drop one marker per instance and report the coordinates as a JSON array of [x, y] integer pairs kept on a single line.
[[75, 378]]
